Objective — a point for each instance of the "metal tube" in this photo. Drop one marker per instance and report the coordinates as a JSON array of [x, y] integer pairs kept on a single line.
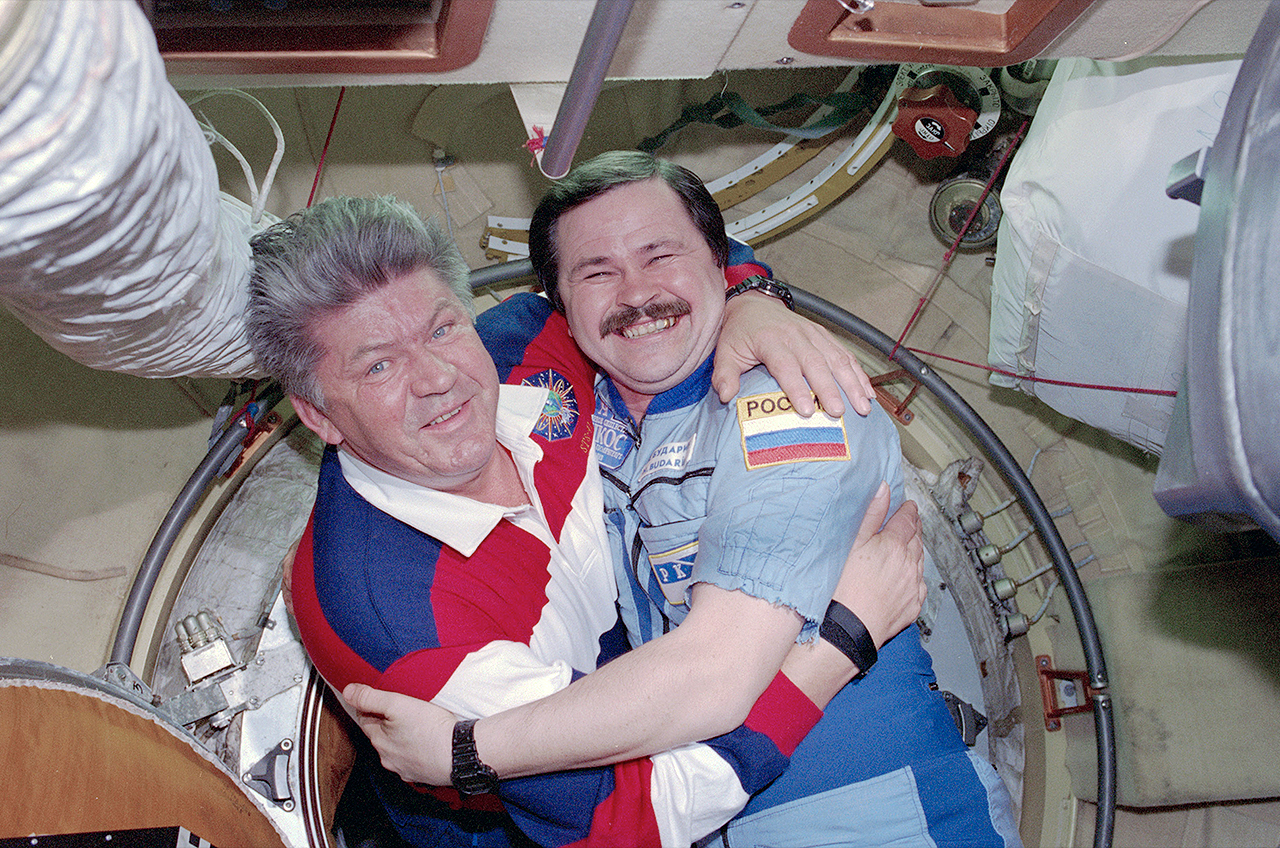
[[608, 19], [227, 446], [503, 272]]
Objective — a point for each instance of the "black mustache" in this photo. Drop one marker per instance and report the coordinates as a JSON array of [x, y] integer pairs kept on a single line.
[[629, 315]]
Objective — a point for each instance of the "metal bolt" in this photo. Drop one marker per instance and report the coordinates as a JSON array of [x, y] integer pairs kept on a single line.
[[786, 60]]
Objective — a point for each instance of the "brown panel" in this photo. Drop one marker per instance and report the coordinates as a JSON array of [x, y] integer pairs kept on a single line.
[[944, 35], [327, 45], [77, 762]]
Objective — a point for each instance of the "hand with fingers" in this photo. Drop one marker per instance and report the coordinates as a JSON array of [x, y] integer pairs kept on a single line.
[[883, 577], [881, 589], [412, 737], [803, 357]]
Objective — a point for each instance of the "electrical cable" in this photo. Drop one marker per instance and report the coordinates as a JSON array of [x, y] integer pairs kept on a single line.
[[444, 199], [257, 195], [226, 447], [324, 151], [955, 244], [1034, 379], [1044, 606], [1163, 38]]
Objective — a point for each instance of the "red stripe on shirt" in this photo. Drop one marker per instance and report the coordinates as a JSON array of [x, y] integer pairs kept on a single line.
[[796, 453], [783, 713]]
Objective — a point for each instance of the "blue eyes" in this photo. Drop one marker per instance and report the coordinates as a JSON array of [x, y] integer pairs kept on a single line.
[[383, 364]]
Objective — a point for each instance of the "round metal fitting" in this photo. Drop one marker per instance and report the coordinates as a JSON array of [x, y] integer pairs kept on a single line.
[[1004, 588], [970, 521], [989, 555], [953, 203], [1016, 625]]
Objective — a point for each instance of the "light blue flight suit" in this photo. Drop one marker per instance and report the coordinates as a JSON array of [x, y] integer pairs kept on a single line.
[[749, 496]]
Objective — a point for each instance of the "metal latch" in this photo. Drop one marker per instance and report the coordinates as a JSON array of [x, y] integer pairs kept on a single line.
[[893, 406], [1073, 684]]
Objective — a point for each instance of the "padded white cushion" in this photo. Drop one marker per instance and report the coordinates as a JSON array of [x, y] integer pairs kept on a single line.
[[1094, 260]]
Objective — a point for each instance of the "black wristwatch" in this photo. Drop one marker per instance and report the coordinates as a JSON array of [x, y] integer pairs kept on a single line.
[[846, 631], [468, 775], [757, 282]]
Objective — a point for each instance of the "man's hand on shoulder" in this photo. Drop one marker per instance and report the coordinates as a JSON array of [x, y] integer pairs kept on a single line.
[[803, 357], [413, 738], [883, 577], [882, 583]]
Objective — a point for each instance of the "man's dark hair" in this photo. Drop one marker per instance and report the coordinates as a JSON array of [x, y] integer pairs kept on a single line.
[[597, 176]]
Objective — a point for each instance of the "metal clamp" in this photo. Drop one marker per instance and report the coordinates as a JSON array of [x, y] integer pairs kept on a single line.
[[896, 408], [1049, 692]]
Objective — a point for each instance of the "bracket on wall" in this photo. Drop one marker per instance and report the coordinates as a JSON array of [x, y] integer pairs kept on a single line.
[[893, 406], [944, 35], [1049, 678]]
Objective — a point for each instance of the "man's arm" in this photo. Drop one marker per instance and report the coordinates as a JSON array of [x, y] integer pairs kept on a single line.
[[881, 581], [477, 659]]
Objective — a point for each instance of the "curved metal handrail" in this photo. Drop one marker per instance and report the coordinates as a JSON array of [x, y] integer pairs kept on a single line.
[[1011, 471]]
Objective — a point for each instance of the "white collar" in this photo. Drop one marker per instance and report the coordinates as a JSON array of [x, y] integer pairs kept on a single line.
[[460, 522]]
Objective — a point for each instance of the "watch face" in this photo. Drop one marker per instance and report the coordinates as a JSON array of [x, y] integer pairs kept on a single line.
[[773, 288]]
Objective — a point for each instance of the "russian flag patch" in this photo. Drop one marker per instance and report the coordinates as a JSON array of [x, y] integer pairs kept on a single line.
[[773, 433]]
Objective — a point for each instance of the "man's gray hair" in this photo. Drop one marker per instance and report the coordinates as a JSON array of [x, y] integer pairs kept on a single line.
[[328, 257]]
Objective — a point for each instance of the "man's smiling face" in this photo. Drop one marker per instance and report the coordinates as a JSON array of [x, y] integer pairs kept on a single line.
[[641, 288], [408, 387]]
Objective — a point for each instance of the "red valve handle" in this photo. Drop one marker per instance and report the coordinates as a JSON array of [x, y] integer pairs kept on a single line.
[[934, 121]]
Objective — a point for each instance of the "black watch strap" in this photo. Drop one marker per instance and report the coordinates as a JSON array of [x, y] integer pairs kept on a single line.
[[846, 631], [760, 283], [468, 775]]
